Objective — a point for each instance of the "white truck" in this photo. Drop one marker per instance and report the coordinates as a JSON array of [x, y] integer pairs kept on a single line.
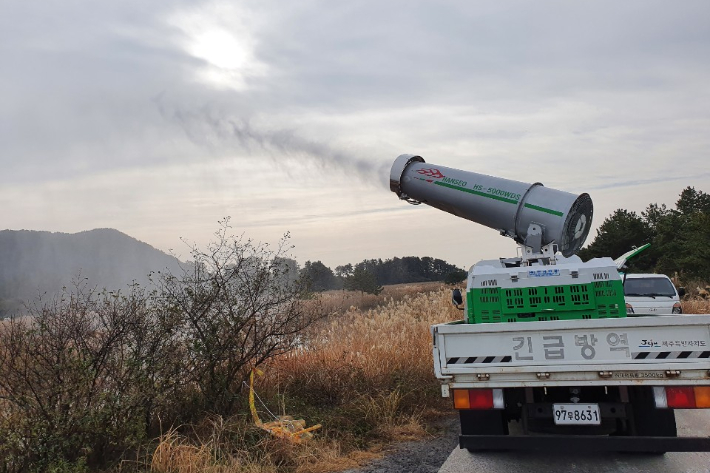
[[544, 339], [648, 294]]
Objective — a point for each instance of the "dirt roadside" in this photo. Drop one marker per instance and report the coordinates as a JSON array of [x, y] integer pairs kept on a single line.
[[421, 456]]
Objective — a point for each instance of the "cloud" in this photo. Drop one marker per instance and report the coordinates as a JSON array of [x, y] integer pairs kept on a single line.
[[173, 115], [657, 180]]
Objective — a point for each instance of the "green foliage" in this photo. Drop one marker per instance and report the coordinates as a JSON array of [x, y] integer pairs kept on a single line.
[[683, 239], [680, 237], [391, 271], [456, 277], [618, 233], [318, 276], [408, 269], [693, 202], [364, 281], [344, 270], [63, 466]]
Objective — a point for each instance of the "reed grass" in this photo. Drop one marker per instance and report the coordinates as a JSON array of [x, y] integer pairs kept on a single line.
[[365, 373], [696, 305]]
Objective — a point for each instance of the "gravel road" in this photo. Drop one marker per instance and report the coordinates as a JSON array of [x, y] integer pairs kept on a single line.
[[421, 456], [691, 423], [442, 453]]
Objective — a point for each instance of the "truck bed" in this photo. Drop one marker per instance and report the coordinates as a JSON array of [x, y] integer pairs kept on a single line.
[[653, 350]]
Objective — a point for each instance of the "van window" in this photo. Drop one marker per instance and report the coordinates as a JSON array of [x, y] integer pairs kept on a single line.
[[649, 287]]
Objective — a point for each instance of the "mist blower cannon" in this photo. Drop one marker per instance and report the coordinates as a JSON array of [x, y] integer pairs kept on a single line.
[[546, 280]]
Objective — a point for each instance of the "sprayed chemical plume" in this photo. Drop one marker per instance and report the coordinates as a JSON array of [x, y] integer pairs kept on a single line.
[[208, 128]]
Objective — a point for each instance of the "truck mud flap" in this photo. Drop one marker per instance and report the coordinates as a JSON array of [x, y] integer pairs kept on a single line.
[[584, 443]]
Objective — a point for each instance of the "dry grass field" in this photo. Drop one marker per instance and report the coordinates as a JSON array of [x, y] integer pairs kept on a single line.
[[365, 374], [696, 306]]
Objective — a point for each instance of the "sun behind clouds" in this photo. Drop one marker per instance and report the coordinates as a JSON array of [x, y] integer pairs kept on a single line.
[[220, 35]]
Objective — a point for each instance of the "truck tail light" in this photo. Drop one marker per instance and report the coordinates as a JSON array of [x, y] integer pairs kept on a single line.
[[682, 397], [702, 396], [461, 400], [478, 399], [629, 308], [677, 309], [481, 398]]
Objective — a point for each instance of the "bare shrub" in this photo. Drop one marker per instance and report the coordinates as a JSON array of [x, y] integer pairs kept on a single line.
[[89, 377], [80, 377], [237, 307]]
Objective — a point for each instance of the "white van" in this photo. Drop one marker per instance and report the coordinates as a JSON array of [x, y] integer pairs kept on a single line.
[[652, 294], [648, 294]]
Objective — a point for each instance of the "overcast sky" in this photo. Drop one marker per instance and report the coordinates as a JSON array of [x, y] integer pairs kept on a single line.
[[160, 118]]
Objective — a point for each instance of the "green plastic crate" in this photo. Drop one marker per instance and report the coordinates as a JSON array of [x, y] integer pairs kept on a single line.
[[597, 300]]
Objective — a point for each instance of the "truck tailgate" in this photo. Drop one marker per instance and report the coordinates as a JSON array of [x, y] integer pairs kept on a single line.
[[634, 350]]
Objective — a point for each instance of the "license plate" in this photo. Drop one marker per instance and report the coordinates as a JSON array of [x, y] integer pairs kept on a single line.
[[576, 414]]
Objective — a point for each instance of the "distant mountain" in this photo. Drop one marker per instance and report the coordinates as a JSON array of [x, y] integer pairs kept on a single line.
[[33, 262]]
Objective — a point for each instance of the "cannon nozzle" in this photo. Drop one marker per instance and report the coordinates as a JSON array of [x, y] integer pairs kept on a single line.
[[532, 214]]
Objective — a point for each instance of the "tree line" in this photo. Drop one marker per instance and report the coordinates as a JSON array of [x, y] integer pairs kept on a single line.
[[371, 274], [679, 237]]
